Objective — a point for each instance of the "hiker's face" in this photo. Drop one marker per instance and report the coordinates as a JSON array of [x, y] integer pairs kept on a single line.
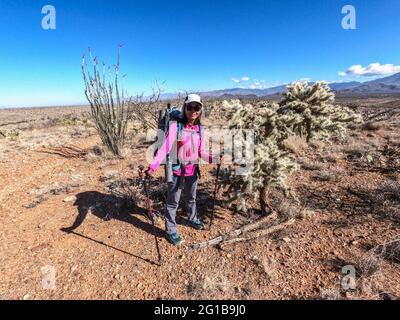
[[193, 111]]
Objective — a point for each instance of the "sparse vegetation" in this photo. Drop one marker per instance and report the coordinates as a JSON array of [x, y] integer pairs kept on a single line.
[[110, 105], [348, 214], [305, 111], [10, 134]]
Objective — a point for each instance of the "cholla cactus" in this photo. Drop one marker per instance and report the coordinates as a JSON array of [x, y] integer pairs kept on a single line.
[[272, 163], [313, 111], [304, 110]]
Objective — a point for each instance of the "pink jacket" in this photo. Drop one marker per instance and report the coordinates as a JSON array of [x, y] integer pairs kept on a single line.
[[190, 148]]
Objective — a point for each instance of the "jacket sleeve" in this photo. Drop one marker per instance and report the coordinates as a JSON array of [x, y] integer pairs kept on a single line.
[[165, 148], [203, 153]]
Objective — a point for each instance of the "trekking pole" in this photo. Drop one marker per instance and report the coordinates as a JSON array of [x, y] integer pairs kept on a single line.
[[215, 193], [150, 214]]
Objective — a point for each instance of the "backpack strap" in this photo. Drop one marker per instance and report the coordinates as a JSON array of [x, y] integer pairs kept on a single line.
[[197, 167], [179, 136], [200, 132]]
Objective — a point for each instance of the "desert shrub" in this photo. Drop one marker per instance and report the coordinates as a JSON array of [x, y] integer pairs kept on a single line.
[[130, 192], [392, 157], [372, 126], [272, 163], [384, 201], [374, 158], [12, 135], [328, 176], [295, 144], [357, 150], [98, 153], [304, 111], [313, 112], [331, 157], [110, 108], [308, 165]]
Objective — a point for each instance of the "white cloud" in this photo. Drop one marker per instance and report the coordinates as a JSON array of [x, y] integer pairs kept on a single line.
[[258, 85], [242, 79], [374, 69]]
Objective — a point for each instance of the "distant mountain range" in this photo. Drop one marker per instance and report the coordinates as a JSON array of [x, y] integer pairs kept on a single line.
[[386, 85]]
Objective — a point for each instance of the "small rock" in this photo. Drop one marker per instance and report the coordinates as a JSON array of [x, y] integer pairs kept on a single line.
[[286, 239], [27, 297], [30, 206], [70, 199]]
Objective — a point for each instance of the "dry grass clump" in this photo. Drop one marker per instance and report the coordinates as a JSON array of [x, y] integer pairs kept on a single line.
[[328, 176], [356, 150], [386, 200], [209, 286], [331, 157], [11, 135], [310, 166], [372, 126], [296, 145]]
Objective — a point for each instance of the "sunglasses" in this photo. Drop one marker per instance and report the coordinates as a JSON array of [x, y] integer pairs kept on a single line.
[[195, 108]]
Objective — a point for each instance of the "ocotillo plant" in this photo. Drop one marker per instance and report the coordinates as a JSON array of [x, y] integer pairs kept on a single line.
[[110, 108]]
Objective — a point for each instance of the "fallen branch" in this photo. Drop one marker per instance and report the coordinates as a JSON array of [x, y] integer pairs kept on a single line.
[[237, 232], [259, 233], [65, 151]]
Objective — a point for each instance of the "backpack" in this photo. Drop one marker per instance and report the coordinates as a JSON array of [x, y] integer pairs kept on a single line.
[[173, 114]]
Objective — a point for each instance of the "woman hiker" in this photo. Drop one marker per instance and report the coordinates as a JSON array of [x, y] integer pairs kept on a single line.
[[190, 147]]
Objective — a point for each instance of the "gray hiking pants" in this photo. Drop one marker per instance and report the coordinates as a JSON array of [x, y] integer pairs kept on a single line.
[[189, 185]]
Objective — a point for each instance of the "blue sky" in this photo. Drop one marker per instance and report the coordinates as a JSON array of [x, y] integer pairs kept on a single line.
[[191, 45]]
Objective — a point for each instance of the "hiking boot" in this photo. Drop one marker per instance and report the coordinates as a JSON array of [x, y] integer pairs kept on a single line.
[[174, 238], [198, 224]]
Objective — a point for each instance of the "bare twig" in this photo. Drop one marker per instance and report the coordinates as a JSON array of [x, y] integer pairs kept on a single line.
[[237, 232], [259, 233]]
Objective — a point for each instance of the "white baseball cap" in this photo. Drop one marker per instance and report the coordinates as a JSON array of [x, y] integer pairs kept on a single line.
[[193, 98]]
